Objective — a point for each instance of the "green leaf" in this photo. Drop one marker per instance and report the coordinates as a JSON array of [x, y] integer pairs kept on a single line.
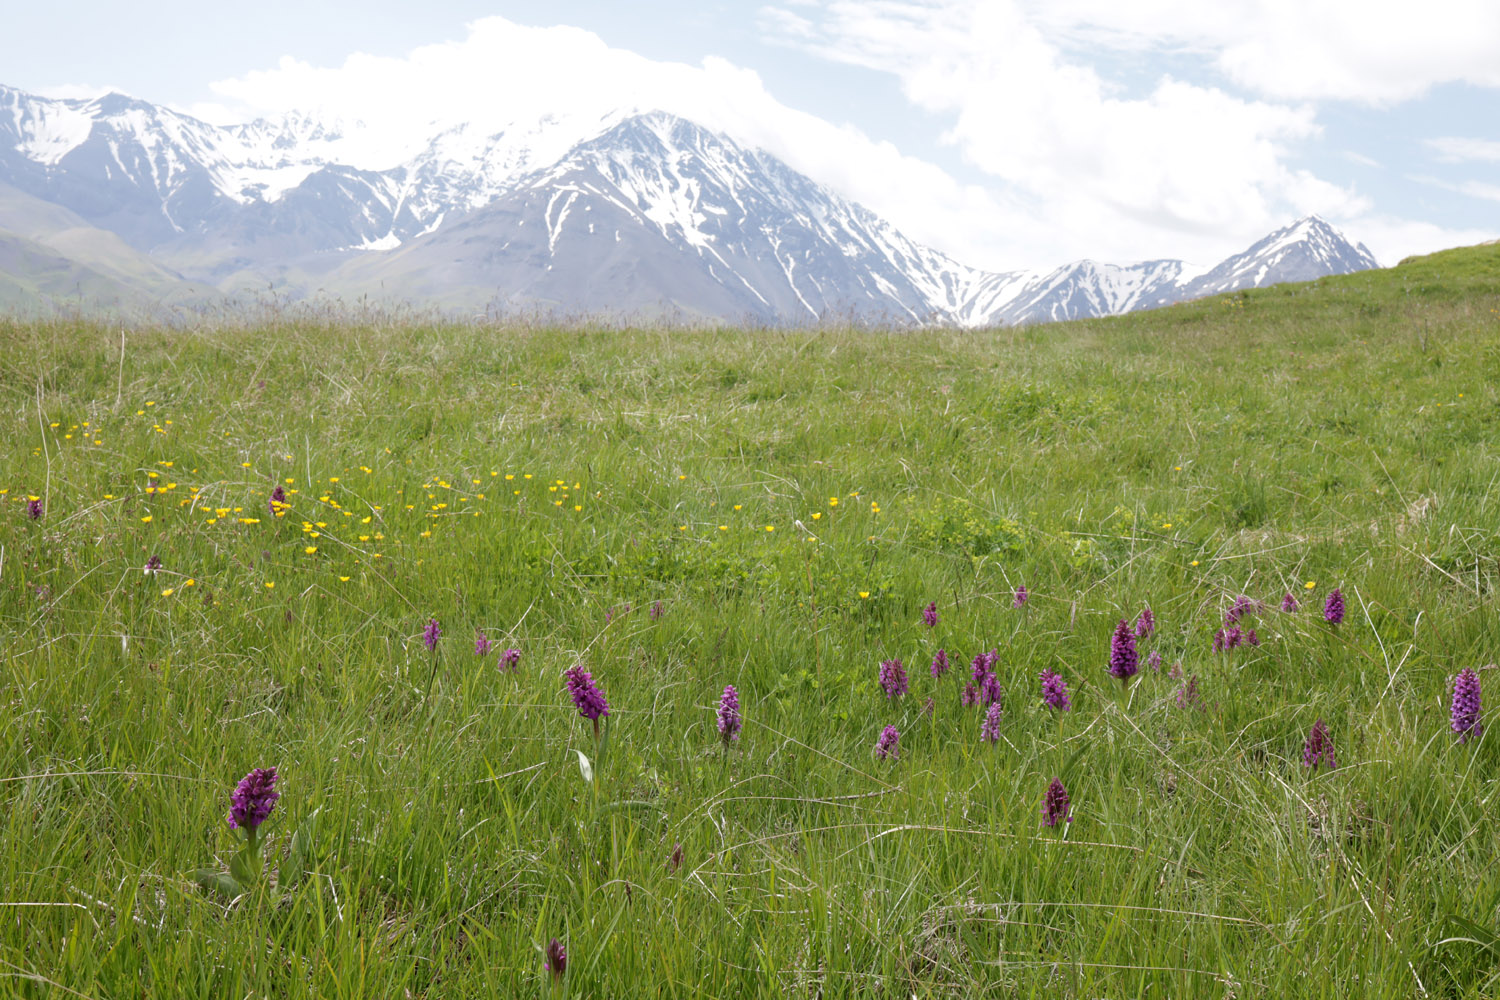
[[219, 882], [295, 866], [244, 867], [584, 766]]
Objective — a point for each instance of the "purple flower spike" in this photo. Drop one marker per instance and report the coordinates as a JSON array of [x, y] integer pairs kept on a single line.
[[970, 696], [591, 703], [1154, 660], [34, 509], [1021, 597], [482, 644], [889, 744], [152, 566], [940, 663], [929, 615], [1465, 712], [1333, 608], [892, 678], [990, 691], [990, 730], [253, 799], [1319, 747], [1251, 638], [277, 504], [929, 706], [1241, 607], [729, 714], [509, 659], [557, 959], [430, 633], [1145, 624], [1289, 603], [1123, 659], [656, 610], [1219, 644], [1187, 696], [1056, 806], [1055, 692], [983, 665]]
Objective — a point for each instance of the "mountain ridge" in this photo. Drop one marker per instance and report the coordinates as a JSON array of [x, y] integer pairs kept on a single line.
[[511, 218]]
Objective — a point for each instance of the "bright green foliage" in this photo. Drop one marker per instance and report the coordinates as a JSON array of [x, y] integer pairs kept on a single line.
[[1342, 433]]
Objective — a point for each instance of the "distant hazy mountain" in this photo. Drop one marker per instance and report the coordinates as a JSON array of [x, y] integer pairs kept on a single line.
[[627, 215], [49, 257]]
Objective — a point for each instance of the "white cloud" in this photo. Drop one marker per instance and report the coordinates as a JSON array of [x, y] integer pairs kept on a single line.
[[76, 91], [1371, 51], [1456, 149], [1181, 169], [1468, 188], [1391, 239]]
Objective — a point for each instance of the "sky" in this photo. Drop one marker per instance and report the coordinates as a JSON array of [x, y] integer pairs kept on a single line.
[[1005, 133]]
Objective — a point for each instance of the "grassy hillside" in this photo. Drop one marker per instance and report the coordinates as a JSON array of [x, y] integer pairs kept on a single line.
[[682, 510]]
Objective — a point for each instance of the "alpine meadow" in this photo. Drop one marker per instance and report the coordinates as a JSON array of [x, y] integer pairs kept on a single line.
[[1138, 656]]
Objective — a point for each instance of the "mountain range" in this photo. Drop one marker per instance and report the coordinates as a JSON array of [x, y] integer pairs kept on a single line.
[[118, 203]]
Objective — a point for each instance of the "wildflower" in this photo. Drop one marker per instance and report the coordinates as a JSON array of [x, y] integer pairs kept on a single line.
[[1154, 660], [1176, 672], [1123, 660], [1251, 639], [990, 730], [1219, 646], [1055, 806], [430, 633], [1465, 711], [1333, 607], [940, 663], [34, 508], [1289, 603], [1187, 695], [1241, 607], [557, 959], [586, 695], [277, 503], [930, 615], [482, 644], [509, 659], [674, 860], [152, 566], [970, 696], [889, 744], [656, 610], [929, 706], [990, 691], [1319, 747], [1145, 624], [253, 799], [1021, 597], [1055, 691], [729, 714], [983, 665], [892, 678]]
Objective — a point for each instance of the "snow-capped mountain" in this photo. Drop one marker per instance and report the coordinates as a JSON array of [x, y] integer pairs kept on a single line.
[[660, 215], [1307, 249], [619, 213]]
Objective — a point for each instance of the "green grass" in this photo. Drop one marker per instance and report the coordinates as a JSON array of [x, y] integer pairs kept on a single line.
[[1341, 433]]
